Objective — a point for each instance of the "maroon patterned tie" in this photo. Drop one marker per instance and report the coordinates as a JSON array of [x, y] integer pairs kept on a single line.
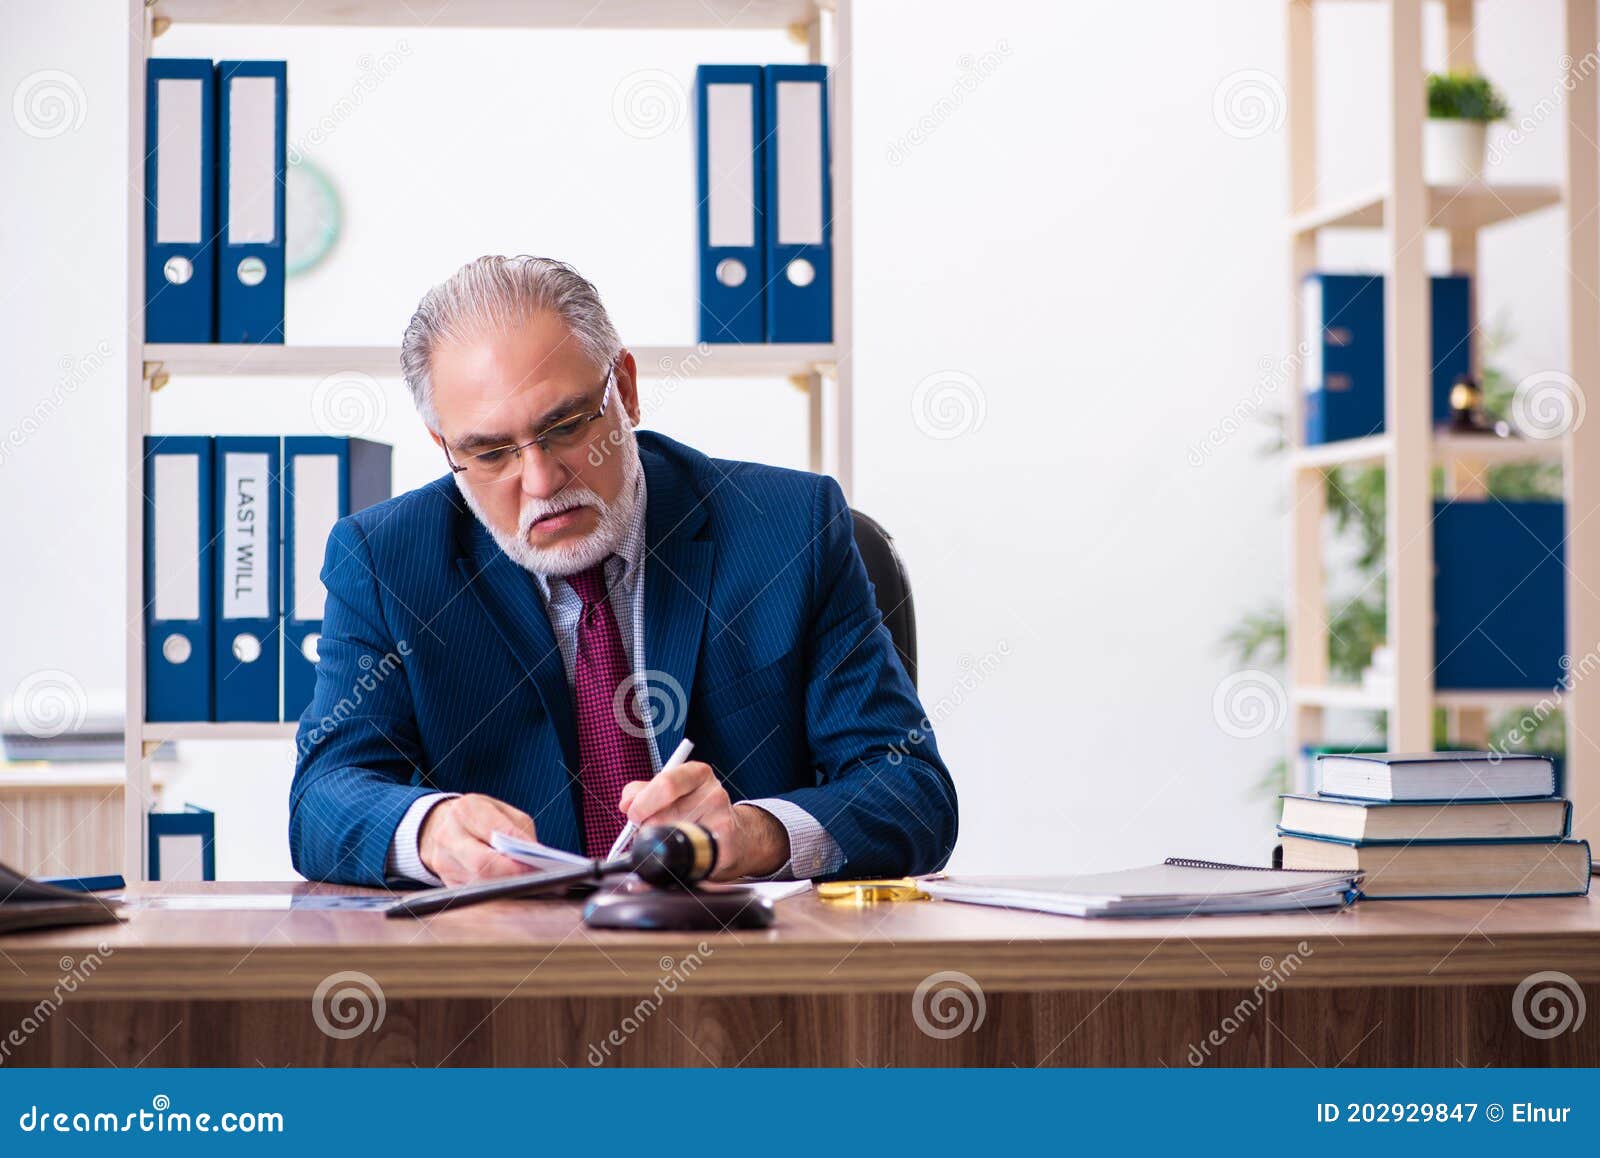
[[611, 745]]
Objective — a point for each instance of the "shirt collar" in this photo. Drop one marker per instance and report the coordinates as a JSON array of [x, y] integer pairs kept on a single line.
[[630, 551]]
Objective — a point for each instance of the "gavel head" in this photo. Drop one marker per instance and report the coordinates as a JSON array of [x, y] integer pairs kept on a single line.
[[674, 855]]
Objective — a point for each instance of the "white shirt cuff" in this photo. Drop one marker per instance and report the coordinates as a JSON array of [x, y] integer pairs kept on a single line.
[[812, 852], [405, 858]]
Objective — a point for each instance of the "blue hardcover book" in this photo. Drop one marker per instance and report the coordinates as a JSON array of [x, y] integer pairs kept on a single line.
[[246, 596], [183, 845], [178, 533], [1427, 821], [180, 259], [252, 155], [799, 206], [1344, 374], [729, 151], [1416, 870], [1499, 594], [324, 479]]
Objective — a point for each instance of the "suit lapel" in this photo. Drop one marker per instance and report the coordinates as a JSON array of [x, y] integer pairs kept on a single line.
[[678, 564], [510, 598]]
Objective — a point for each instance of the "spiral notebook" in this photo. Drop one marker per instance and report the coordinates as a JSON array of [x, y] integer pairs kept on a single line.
[[1175, 888]]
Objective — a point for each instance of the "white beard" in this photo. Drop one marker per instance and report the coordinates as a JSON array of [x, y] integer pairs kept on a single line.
[[616, 518]]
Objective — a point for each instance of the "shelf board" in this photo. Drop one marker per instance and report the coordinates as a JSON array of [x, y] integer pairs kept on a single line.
[[1354, 696], [289, 361], [1370, 451], [1340, 696], [702, 14], [154, 733], [1367, 451], [1470, 206], [1487, 448]]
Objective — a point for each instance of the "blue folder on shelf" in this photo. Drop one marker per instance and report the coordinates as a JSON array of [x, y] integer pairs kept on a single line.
[[179, 214], [1499, 594], [251, 155], [732, 194], [1344, 372], [246, 596], [183, 845], [799, 215], [324, 479], [177, 578]]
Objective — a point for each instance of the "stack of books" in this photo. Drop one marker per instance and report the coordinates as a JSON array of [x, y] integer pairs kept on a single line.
[[1438, 824]]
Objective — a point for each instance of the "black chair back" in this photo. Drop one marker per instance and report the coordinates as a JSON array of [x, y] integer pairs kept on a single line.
[[892, 586]]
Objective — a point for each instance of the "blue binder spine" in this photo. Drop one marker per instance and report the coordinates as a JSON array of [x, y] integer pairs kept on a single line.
[[189, 841], [252, 152], [180, 205], [246, 658], [729, 158], [178, 519], [799, 204], [324, 479]]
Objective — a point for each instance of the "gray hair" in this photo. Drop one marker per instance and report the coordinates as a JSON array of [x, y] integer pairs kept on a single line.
[[491, 292]]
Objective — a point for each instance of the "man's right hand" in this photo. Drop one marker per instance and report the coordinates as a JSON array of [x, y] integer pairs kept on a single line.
[[454, 841]]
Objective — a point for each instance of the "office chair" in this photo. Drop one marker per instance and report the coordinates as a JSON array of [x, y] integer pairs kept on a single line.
[[892, 586]]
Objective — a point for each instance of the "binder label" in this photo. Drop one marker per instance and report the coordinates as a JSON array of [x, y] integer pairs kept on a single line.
[[176, 511], [731, 198], [252, 160], [180, 121], [799, 162], [316, 510], [245, 544]]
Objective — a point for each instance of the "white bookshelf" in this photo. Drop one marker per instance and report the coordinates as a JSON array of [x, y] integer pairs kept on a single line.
[[1406, 209], [823, 371]]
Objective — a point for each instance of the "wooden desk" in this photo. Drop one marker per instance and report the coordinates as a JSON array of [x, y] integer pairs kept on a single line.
[[526, 983]]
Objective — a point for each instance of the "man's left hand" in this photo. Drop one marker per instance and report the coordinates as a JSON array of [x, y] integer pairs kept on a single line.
[[750, 841]]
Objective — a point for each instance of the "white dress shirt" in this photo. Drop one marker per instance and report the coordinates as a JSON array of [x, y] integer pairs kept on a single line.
[[812, 852]]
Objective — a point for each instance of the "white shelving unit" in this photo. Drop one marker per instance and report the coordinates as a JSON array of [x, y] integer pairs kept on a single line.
[[823, 371], [1410, 449]]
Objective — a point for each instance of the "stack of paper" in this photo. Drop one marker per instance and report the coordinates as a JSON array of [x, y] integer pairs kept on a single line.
[[1177, 888]]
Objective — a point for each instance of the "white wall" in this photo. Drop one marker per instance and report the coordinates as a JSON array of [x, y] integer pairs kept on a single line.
[[1068, 263]]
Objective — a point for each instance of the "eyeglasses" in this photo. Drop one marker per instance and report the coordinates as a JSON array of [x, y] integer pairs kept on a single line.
[[502, 462]]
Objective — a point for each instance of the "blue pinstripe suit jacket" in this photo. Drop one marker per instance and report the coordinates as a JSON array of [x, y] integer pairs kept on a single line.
[[438, 670]]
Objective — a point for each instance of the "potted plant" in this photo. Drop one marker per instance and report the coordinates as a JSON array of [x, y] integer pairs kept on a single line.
[[1460, 107]]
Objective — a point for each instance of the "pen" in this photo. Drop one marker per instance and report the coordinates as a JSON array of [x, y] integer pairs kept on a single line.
[[630, 830]]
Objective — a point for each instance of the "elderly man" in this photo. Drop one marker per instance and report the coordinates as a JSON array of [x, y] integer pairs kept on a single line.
[[535, 632]]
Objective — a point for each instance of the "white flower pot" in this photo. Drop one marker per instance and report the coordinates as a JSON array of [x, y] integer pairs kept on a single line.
[[1453, 150]]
